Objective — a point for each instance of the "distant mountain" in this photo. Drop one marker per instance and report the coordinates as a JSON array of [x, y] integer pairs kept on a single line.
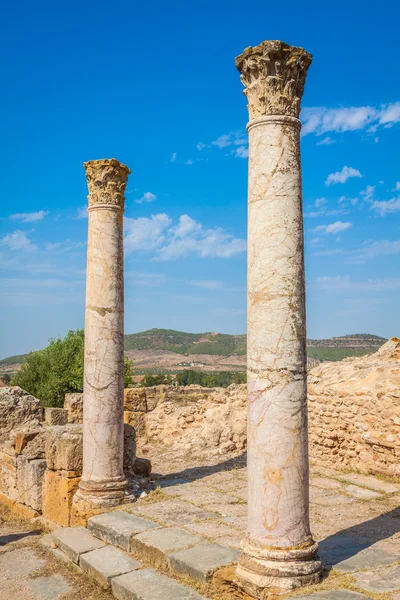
[[223, 344]]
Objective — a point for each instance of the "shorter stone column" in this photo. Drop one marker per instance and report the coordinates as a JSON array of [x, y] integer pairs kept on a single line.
[[103, 483]]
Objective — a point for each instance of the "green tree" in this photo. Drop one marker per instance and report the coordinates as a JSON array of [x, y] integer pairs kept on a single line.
[[57, 370]]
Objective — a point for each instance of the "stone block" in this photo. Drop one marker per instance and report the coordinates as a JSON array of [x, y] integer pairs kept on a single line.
[[135, 400], [200, 562], [369, 558], [75, 541], [362, 493], [105, 563], [147, 584], [155, 545], [379, 485], [58, 492], [64, 448], [137, 420], [31, 443], [379, 582], [30, 481], [118, 527], [74, 405], [55, 416], [333, 595], [129, 449], [8, 477], [18, 409], [142, 467]]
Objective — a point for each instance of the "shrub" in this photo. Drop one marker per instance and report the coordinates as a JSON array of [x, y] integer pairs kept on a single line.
[[57, 370]]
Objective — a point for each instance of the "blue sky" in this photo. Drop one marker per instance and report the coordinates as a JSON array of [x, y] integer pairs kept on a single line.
[[154, 85]]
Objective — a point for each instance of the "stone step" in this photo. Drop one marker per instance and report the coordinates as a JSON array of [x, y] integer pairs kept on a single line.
[[105, 563], [74, 541], [201, 561], [147, 584], [118, 528], [156, 545]]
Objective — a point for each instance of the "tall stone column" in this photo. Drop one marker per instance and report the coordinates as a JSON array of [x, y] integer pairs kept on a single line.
[[279, 552], [103, 483]]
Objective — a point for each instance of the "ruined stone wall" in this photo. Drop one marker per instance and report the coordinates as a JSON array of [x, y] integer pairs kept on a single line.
[[354, 412]]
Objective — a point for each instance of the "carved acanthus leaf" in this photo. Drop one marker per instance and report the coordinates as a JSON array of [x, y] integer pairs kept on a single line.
[[274, 75], [106, 179]]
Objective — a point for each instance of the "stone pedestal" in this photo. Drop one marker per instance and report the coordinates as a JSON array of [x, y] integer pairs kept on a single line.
[[103, 483], [278, 553]]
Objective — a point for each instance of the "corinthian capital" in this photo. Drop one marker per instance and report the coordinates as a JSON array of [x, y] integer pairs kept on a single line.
[[273, 74], [106, 179]]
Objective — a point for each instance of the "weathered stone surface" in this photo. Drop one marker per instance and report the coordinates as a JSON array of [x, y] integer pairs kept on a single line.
[[18, 410], [74, 541], [142, 467], [129, 442], [8, 475], [362, 493], [64, 448], [381, 581], [30, 481], [212, 420], [157, 544], [372, 557], [135, 400], [103, 482], [174, 512], [149, 585], [379, 485], [333, 595], [59, 488], [31, 443], [137, 419], [202, 561], [118, 527], [55, 416], [53, 587], [105, 563], [354, 413], [74, 405]]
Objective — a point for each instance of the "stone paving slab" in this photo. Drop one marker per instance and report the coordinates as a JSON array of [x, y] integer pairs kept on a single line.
[[173, 512], [362, 493], [201, 561], [155, 545], [48, 588], [74, 541], [333, 595], [105, 563], [374, 483], [369, 558], [118, 527], [383, 580], [19, 564], [150, 585], [326, 483]]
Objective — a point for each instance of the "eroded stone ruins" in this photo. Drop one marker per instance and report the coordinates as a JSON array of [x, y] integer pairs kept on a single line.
[[195, 529]]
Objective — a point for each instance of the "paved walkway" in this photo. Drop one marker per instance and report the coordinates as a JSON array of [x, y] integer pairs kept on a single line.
[[28, 572]]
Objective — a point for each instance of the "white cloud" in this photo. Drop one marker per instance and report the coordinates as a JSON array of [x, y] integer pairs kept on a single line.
[[334, 227], [320, 202], [327, 141], [147, 197], [321, 120], [344, 282], [368, 193], [18, 240], [189, 162], [372, 249], [144, 233], [342, 176], [82, 213], [30, 217], [234, 138], [185, 238], [385, 207], [173, 157], [241, 152], [397, 187], [200, 146], [210, 284], [344, 200]]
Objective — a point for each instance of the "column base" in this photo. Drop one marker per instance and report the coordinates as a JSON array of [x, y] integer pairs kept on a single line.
[[264, 572], [95, 497]]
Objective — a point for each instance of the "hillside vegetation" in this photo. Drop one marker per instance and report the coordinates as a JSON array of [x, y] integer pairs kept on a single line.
[[223, 344]]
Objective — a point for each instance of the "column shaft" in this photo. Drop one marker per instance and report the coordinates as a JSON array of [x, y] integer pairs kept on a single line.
[[103, 482], [278, 553]]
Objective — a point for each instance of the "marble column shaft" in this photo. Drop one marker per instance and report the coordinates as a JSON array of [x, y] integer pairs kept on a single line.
[[279, 551], [103, 482]]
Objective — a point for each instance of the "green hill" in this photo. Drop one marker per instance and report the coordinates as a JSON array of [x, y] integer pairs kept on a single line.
[[223, 344]]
